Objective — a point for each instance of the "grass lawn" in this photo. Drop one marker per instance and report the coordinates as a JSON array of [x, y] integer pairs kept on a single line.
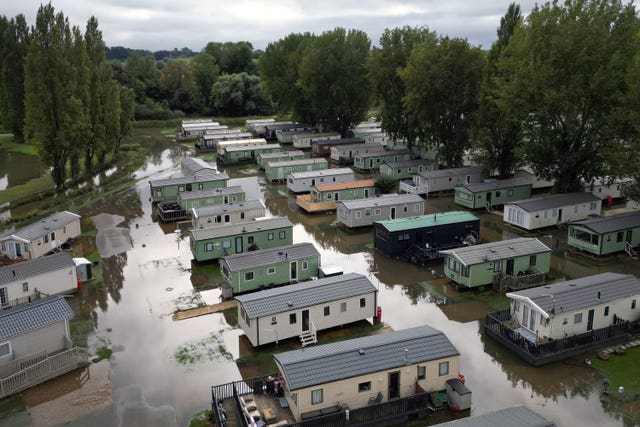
[[621, 371]]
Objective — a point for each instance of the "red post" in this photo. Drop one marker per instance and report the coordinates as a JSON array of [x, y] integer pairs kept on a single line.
[[79, 285], [609, 201], [378, 317]]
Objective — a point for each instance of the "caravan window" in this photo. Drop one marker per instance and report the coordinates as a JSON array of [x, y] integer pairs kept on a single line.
[[5, 349]]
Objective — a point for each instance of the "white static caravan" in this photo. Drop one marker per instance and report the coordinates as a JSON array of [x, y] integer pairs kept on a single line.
[[193, 166], [536, 182], [306, 307], [441, 180], [304, 140], [49, 275], [232, 213], [192, 129], [576, 306], [363, 212], [344, 154], [221, 145], [280, 156], [605, 187], [301, 182], [547, 211], [257, 125]]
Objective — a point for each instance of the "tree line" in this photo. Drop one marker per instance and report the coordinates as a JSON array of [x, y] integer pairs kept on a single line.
[[558, 90]]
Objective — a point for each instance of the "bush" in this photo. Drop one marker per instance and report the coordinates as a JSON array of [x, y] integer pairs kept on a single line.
[[385, 184]]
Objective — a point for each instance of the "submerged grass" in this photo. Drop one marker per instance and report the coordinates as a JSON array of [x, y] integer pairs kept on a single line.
[[201, 419], [101, 354], [207, 349]]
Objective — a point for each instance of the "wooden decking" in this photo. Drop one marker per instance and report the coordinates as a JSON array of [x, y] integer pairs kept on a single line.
[[201, 311], [305, 201]]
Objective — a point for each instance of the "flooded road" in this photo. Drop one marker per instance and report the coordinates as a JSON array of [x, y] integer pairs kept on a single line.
[[161, 370]]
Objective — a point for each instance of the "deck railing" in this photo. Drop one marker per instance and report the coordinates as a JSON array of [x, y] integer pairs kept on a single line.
[[306, 202], [498, 327], [408, 186], [22, 300], [514, 283]]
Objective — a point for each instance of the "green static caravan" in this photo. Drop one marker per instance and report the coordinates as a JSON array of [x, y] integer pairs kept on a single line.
[[270, 267], [214, 243], [213, 197], [279, 156], [497, 262], [406, 168], [372, 161], [245, 154], [166, 190], [608, 235], [304, 140], [278, 171], [492, 193]]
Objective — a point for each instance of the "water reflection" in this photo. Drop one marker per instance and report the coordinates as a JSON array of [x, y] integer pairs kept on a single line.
[[18, 168]]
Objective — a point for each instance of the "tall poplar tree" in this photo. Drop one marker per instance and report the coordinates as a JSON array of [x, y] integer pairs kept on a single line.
[[14, 46]]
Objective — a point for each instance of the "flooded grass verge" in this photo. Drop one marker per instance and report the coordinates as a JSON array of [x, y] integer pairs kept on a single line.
[[207, 349]]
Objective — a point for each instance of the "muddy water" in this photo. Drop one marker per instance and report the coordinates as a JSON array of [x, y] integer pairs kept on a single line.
[[161, 370], [17, 168]]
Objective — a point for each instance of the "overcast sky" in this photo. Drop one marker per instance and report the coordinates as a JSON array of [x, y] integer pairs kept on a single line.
[[168, 24]]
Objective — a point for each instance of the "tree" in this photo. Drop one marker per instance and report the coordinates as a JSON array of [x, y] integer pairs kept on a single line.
[[447, 75], [232, 57], [127, 108], [205, 73], [15, 45], [395, 49], [565, 71], [279, 66], [499, 130], [55, 118], [144, 76], [240, 95], [176, 80], [333, 79]]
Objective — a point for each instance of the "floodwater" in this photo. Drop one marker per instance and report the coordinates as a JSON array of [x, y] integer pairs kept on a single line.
[[17, 168], [161, 370]]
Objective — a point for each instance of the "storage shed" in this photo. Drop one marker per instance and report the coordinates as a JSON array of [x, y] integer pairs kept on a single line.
[[278, 156], [372, 161], [278, 171], [307, 307], [551, 210], [406, 168], [459, 395], [214, 243], [322, 147], [363, 212], [166, 190], [607, 235], [509, 264], [301, 182], [267, 268], [232, 213], [441, 180], [421, 238], [486, 195]]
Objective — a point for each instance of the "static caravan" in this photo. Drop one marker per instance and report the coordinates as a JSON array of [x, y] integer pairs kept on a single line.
[[365, 371], [537, 183], [322, 147], [278, 171], [245, 154], [279, 156], [406, 168], [166, 190], [373, 136], [209, 142], [257, 125], [304, 140], [441, 180], [192, 130], [363, 212], [232, 213], [26, 281], [193, 166], [546, 211], [372, 161], [214, 243], [605, 187], [519, 416], [36, 344], [285, 137], [576, 306], [221, 146], [293, 311], [509, 263], [301, 182], [41, 237], [271, 129], [323, 197], [421, 238], [265, 268], [608, 235], [344, 154], [493, 193], [212, 197]]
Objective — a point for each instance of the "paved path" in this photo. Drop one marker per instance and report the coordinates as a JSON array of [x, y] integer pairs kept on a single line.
[[633, 343], [201, 311]]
